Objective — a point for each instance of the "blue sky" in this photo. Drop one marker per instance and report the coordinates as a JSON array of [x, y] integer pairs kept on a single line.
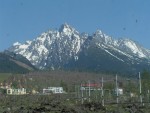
[[22, 20]]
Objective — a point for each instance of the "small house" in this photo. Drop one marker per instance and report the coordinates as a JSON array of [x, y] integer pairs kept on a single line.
[[21, 91], [91, 86], [53, 90]]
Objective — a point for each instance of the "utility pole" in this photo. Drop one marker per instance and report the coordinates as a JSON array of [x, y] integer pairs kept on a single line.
[[89, 91], [102, 92], [117, 89], [81, 93], [140, 88], [78, 91]]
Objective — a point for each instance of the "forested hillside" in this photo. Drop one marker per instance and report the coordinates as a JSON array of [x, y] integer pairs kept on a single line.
[[14, 63]]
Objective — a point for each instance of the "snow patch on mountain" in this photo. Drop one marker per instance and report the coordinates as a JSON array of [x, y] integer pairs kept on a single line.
[[114, 55], [133, 47]]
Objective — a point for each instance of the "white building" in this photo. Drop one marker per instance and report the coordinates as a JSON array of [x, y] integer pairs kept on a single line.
[[91, 86], [119, 91], [54, 90], [21, 91]]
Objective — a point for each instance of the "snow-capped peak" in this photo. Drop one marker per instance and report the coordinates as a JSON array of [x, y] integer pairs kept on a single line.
[[28, 42], [102, 37], [16, 44], [66, 29], [98, 32], [131, 46]]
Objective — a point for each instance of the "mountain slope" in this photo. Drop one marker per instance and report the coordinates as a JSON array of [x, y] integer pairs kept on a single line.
[[67, 48], [12, 63]]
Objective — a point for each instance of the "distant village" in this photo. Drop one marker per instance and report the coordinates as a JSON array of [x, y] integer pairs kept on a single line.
[[22, 91], [54, 90]]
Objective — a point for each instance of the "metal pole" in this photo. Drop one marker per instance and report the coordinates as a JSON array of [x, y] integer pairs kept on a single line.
[[102, 93], [117, 88], [140, 88], [81, 93], [89, 91], [78, 91]]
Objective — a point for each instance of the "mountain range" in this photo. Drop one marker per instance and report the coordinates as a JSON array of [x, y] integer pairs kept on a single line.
[[66, 48]]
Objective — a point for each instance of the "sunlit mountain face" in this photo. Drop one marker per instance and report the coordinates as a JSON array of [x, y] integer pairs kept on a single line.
[[66, 48]]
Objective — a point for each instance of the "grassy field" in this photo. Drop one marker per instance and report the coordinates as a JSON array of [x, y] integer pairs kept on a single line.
[[61, 104], [4, 76]]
